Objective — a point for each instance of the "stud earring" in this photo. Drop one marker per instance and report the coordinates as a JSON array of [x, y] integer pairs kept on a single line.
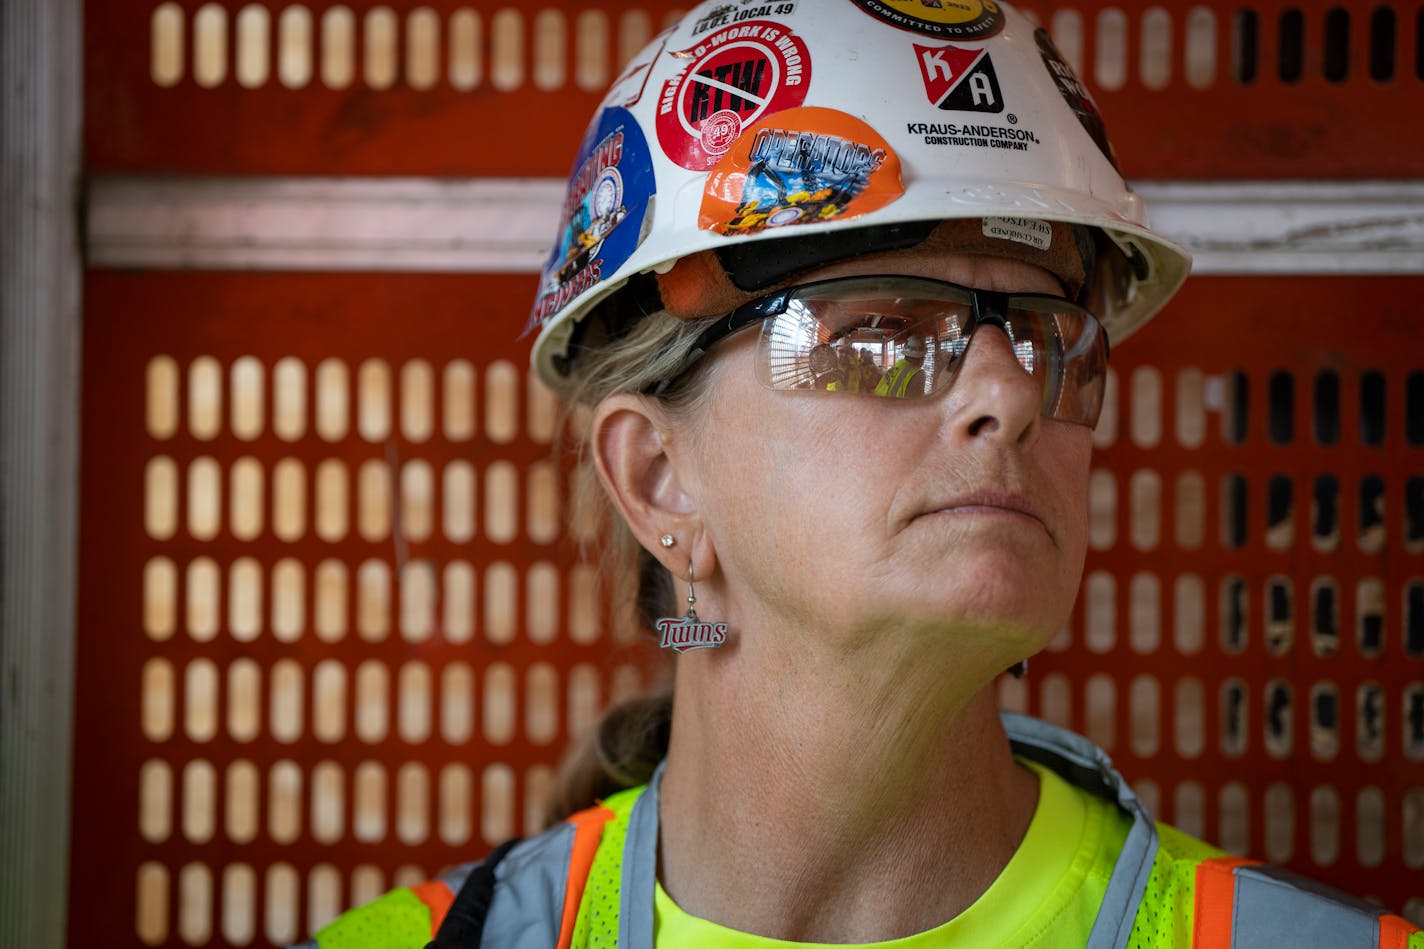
[[690, 632], [667, 540]]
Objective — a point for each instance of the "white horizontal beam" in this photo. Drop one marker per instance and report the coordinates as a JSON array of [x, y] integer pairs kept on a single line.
[[1315, 227], [502, 225], [506, 225]]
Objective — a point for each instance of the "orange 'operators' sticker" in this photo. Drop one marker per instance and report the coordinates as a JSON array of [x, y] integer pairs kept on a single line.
[[800, 166]]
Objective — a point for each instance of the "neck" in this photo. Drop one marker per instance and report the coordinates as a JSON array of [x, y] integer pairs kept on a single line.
[[854, 798]]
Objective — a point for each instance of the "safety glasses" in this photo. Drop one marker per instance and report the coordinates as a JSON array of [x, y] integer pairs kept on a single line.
[[900, 337]]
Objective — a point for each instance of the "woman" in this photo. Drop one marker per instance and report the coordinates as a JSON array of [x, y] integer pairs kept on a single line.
[[829, 766]]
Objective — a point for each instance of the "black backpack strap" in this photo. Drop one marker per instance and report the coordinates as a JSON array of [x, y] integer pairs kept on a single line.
[[464, 924]]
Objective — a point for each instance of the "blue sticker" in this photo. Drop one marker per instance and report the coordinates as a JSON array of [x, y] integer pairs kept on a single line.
[[602, 215]]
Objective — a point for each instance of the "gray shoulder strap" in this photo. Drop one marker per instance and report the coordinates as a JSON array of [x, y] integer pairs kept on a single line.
[[529, 887], [530, 883], [1087, 766], [1271, 907], [640, 868]]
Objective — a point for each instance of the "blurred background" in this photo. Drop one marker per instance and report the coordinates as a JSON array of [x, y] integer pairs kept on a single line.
[[293, 607]]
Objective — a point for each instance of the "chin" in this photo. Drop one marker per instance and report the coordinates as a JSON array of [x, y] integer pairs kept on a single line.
[[1017, 608], [1001, 583]]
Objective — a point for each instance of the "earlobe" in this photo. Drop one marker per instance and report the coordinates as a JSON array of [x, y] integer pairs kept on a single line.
[[634, 460]]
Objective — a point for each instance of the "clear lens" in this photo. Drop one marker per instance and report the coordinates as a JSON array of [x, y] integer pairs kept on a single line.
[[900, 337]]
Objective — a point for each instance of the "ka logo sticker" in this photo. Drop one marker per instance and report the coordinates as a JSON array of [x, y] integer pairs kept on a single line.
[[959, 80]]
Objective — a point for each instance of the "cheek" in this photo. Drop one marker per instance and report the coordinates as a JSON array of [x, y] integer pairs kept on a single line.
[[735, 457], [774, 475], [1066, 462], [757, 463]]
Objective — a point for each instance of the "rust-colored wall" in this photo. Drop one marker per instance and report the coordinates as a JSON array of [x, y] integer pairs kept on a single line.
[[285, 707]]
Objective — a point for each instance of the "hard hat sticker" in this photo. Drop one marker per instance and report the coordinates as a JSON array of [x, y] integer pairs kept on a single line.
[[730, 79], [1020, 230], [959, 80], [800, 166], [728, 13], [963, 80], [946, 19], [1075, 93], [602, 214]]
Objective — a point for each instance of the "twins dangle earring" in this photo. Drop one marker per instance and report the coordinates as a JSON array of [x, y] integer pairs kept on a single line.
[[689, 632]]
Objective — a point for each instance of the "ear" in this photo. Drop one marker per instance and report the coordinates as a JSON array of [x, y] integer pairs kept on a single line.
[[635, 455]]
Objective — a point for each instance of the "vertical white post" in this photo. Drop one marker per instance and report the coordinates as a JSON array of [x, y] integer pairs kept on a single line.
[[41, 65]]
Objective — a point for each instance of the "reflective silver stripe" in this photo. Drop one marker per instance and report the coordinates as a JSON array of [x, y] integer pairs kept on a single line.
[[1087, 766], [528, 900], [1118, 912], [640, 865], [1276, 908]]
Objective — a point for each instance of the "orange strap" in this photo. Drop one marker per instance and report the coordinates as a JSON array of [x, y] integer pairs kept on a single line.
[[436, 895], [1215, 900], [1395, 932], [588, 831]]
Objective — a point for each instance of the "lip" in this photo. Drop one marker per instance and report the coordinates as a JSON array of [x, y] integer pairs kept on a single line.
[[990, 503]]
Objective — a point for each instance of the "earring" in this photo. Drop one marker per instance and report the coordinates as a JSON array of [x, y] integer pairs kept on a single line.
[[667, 540], [690, 632]]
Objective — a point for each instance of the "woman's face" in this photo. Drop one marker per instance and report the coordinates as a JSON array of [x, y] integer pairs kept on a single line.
[[962, 513]]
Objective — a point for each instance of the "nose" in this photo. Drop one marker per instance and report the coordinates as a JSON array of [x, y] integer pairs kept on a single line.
[[994, 396]]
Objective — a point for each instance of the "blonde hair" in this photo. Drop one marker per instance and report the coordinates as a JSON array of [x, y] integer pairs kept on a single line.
[[625, 745]]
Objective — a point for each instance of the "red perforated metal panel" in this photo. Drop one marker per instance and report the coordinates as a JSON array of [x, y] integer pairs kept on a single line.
[[1269, 88], [333, 633]]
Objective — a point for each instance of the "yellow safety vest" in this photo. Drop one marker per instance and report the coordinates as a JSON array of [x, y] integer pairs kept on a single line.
[[897, 381]]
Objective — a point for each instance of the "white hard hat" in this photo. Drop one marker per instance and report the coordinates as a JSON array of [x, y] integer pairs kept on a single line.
[[838, 128]]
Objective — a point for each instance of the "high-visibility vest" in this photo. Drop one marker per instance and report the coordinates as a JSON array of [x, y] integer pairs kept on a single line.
[[849, 383], [531, 896], [896, 382]]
